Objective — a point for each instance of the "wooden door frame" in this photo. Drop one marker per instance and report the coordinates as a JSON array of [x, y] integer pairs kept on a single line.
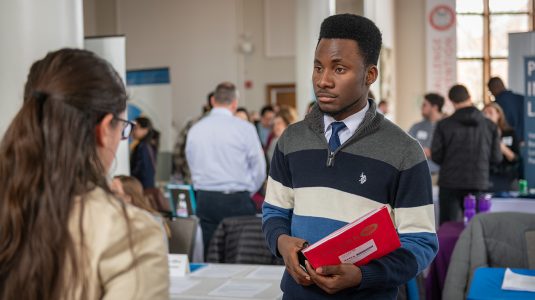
[[273, 89]]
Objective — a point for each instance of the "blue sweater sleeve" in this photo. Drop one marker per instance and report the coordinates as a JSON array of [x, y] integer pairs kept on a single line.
[[277, 209], [415, 222]]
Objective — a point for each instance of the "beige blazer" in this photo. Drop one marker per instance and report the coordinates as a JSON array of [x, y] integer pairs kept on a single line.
[[115, 271]]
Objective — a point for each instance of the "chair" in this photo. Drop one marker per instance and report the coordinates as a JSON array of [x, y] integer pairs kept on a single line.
[[499, 240], [240, 240], [183, 232]]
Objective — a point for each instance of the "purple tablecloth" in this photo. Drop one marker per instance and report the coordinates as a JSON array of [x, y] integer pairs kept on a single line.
[[448, 234]]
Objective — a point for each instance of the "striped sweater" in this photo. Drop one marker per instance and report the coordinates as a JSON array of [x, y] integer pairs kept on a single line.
[[312, 192]]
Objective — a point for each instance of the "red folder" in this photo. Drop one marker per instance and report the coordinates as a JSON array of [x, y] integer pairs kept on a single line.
[[369, 237]]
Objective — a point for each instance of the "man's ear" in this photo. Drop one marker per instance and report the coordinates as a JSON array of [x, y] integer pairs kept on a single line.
[[212, 101], [103, 129], [371, 74]]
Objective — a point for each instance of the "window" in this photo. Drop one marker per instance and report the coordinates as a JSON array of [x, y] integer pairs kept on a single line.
[[482, 40]]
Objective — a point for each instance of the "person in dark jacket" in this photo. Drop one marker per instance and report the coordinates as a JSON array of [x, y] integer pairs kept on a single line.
[[511, 103], [464, 145], [143, 158], [503, 175]]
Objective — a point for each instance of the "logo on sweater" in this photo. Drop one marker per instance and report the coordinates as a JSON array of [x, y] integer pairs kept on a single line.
[[362, 178]]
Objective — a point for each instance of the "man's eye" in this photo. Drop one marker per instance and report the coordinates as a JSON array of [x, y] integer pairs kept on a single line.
[[340, 70]]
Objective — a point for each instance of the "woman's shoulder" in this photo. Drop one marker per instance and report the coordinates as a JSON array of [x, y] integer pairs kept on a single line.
[[106, 210]]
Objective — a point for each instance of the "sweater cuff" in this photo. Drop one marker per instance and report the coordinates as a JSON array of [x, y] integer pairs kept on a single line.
[[273, 228], [371, 277]]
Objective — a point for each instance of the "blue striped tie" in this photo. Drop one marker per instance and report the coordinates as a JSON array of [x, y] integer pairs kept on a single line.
[[334, 141]]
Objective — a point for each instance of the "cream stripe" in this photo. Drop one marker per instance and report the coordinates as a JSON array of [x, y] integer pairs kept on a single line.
[[415, 219], [331, 203], [279, 195]]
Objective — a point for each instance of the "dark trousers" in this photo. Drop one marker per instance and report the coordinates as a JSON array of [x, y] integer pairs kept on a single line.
[[213, 207], [451, 203]]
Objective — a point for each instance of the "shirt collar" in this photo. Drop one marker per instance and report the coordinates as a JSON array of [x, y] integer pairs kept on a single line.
[[352, 122], [220, 111]]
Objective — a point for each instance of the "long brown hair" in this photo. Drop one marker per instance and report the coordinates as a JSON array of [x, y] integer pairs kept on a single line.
[[133, 188], [502, 122], [48, 157]]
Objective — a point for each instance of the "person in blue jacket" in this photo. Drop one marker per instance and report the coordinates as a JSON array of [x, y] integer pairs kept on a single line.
[[143, 157]]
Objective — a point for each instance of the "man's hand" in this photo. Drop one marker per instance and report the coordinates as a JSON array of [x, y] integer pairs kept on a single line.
[[333, 279], [288, 247]]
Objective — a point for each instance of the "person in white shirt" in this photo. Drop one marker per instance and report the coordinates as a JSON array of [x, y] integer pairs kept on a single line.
[[226, 160]]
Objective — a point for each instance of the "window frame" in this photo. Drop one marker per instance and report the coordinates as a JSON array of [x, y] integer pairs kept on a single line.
[[487, 58]]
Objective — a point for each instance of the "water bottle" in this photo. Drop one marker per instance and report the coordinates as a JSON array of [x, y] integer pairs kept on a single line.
[[469, 207], [484, 203], [523, 187], [182, 206]]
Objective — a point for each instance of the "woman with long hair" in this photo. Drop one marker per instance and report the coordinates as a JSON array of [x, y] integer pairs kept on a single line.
[[284, 117], [504, 174], [130, 190], [63, 235], [143, 158]]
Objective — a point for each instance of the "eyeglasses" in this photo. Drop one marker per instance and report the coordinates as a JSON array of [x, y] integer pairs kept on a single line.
[[127, 128]]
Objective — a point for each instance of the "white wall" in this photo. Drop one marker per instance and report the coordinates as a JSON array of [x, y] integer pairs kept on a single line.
[[196, 39], [382, 13], [257, 66], [410, 72], [100, 17], [28, 30]]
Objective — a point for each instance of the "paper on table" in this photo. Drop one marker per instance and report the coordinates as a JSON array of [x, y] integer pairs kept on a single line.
[[219, 271], [178, 285], [240, 289], [267, 272], [518, 282]]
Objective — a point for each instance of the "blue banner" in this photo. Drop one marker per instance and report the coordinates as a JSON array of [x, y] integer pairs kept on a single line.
[[529, 121], [148, 76]]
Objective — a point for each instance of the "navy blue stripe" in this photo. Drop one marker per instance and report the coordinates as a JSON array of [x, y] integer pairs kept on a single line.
[[148, 76], [279, 169], [391, 270], [354, 174], [414, 187]]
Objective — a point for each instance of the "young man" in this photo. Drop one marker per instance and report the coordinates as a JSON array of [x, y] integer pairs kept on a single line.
[[342, 161], [423, 131], [464, 145]]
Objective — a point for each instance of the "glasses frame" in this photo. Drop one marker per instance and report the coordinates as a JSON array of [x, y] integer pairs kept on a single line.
[[127, 125]]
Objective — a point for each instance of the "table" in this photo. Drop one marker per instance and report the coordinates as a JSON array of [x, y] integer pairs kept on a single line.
[[229, 281], [447, 234], [487, 283], [526, 205]]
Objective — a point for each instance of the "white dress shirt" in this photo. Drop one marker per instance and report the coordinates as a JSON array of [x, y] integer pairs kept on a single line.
[[352, 123], [224, 154]]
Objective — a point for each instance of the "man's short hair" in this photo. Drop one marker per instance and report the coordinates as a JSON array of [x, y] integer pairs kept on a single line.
[[495, 82], [458, 93], [357, 28], [265, 109], [225, 93], [435, 99]]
